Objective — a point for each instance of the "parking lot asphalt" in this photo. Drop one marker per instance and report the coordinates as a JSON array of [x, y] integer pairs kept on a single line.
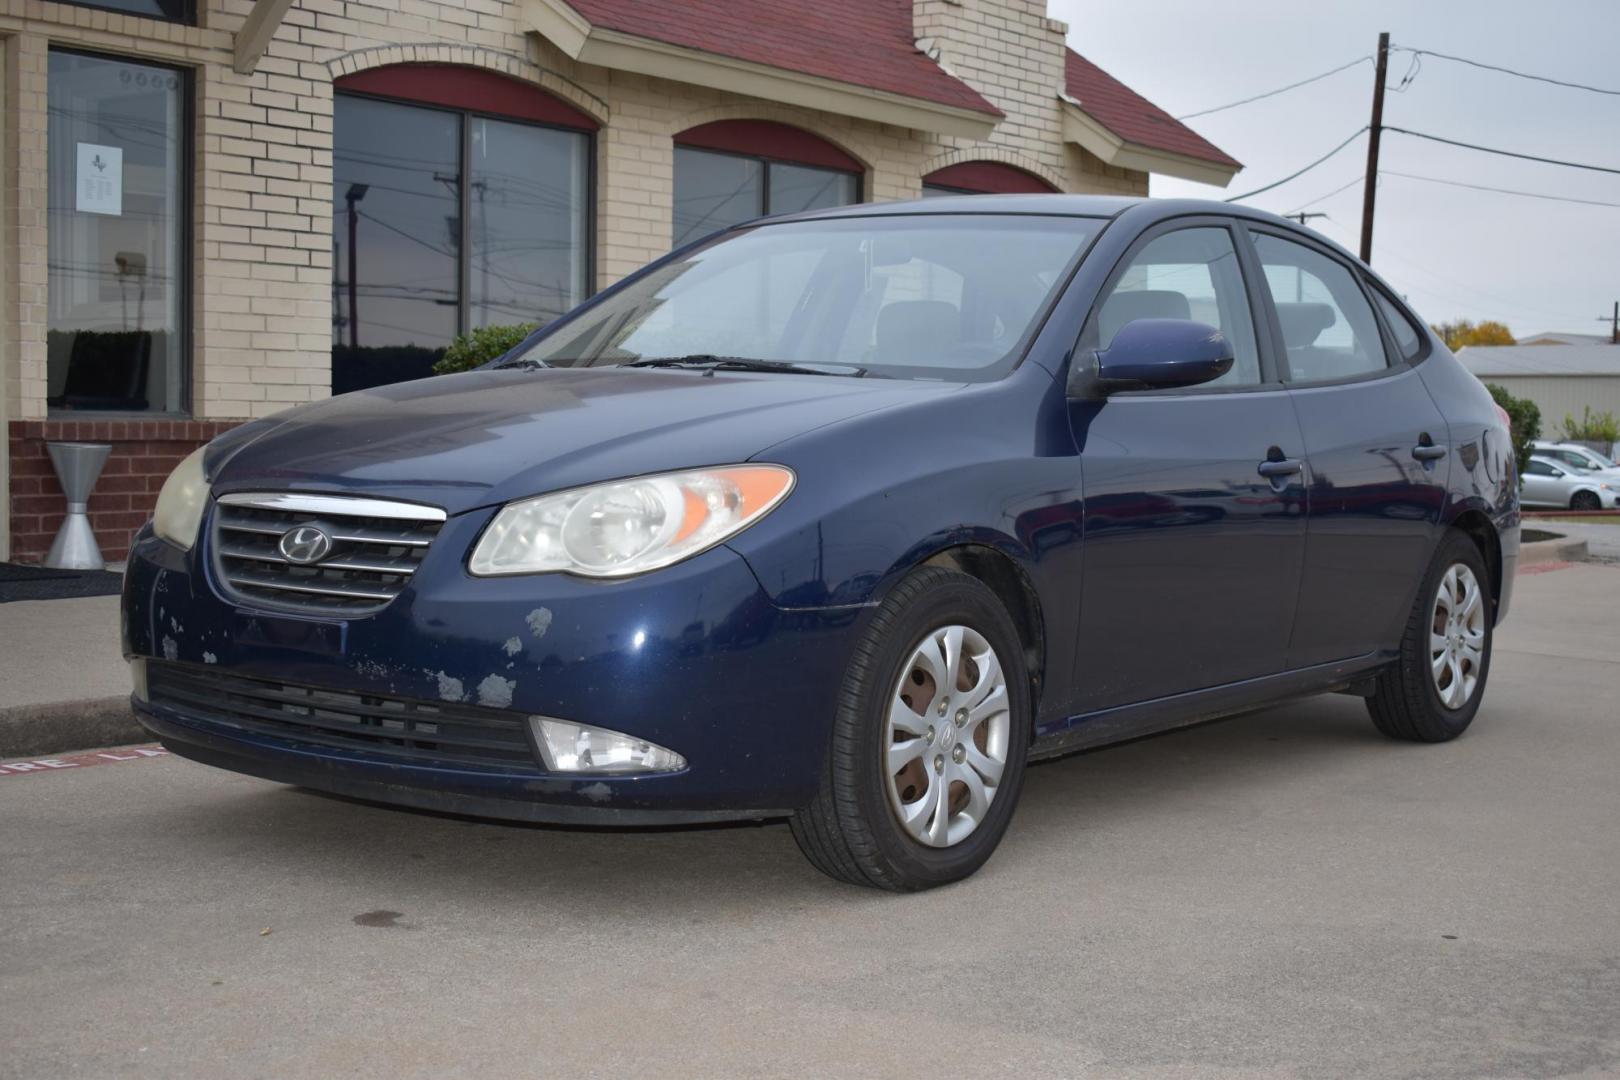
[[1284, 894]]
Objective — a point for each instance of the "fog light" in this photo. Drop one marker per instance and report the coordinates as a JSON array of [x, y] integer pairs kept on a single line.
[[137, 676], [580, 748]]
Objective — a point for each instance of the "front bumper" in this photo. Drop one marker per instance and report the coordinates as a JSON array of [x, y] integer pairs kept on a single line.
[[694, 657]]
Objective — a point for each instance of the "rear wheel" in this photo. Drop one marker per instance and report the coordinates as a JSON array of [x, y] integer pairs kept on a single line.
[[1585, 500], [929, 743], [1433, 691]]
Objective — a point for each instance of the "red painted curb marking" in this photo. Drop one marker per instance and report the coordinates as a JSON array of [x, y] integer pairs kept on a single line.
[[32, 766], [1542, 568]]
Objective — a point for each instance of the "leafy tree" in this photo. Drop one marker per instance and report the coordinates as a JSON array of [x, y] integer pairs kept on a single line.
[[1463, 332], [481, 346], [1524, 421], [1592, 427]]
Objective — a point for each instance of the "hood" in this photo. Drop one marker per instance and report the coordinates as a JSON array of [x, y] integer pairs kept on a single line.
[[484, 437]]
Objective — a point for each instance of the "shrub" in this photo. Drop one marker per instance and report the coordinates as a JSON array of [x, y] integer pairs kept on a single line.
[[480, 346], [1592, 427], [1524, 419]]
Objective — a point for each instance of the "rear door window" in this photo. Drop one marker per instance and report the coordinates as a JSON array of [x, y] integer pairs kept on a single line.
[[1327, 324]]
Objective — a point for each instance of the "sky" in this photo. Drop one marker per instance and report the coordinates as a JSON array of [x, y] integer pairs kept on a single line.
[[1453, 253]]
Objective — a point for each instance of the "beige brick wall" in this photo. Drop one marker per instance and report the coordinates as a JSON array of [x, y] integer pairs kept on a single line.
[[262, 202]]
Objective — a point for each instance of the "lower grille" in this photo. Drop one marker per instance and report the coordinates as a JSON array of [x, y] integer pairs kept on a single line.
[[326, 553], [401, 728]]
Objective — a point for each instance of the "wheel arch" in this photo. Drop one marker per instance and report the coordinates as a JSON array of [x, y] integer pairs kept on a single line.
[[1002, 575], [1476, 525]]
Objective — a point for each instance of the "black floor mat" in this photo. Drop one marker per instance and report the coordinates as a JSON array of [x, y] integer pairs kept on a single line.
[[42, 583]]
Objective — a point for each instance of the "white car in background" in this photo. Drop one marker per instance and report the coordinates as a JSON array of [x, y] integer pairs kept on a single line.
[[1575, 456], [1552, 483]]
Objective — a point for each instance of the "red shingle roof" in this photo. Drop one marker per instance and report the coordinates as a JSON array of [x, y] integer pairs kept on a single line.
[[1132, 117], [861, 42]]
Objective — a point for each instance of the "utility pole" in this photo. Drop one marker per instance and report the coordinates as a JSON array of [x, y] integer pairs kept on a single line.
[[1375, 133], [1614, 324], [355, 193]]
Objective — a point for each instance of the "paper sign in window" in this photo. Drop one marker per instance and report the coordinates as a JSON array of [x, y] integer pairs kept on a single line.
[[100, 188]]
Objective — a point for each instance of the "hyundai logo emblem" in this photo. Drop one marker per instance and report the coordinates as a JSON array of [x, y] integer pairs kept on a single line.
[[305, 544]]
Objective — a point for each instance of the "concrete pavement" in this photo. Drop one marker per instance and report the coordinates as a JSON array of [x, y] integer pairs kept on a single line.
[[1280, 895], [63, 681]]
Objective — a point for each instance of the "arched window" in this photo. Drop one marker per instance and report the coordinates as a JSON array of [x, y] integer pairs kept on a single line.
[[983, 178], [732, 171], [461, 199]]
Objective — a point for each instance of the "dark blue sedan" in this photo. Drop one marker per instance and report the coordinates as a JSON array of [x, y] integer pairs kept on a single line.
[[846, 518]]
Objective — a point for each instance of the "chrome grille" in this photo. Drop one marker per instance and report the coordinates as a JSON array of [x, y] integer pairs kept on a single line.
[[375, 546], [398, 728]]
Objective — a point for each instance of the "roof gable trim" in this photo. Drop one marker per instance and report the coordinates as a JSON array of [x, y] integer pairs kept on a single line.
[[1089, 133], [564, 27]]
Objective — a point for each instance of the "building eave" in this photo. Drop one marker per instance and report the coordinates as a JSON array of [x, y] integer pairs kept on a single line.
[[1087, 132], [560, 24]]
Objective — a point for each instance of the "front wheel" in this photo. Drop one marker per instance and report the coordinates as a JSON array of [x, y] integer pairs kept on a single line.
[[1433, 691], [1585, 500], [929, 743]]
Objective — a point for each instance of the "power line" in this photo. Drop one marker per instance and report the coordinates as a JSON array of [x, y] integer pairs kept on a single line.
[[1509, 71], [1503, 153], [1323, 198], [1499, 190], [1250, 194], [1279, 90]]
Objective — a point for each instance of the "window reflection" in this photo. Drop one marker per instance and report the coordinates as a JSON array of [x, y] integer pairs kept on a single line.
[[115, 217], [715, 190], [410, 269]]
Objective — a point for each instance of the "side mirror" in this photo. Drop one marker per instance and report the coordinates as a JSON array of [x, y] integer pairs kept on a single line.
[[1153, 354]]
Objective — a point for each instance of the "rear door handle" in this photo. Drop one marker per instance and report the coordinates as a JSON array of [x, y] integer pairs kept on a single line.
[[1428, 452], [1286, 467]]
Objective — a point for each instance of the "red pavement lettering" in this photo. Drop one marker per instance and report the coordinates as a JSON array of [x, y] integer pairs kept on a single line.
[[33, 766], [1542, 568]]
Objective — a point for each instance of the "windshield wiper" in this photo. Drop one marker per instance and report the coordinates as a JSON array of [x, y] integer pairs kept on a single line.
[[525, 362], [712, 363]]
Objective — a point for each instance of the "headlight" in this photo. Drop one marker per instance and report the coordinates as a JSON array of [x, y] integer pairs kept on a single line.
[[628, 526], [181, 503]]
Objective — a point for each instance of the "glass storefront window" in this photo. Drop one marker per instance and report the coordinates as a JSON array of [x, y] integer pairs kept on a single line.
[[444, 221], [116, 226], [173, 10], [715, 190]]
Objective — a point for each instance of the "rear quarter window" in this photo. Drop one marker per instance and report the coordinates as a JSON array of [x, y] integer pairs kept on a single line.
[[1408, 338]]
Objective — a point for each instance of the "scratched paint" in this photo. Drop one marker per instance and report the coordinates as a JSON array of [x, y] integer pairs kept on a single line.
[[496, 692], [539, 621]]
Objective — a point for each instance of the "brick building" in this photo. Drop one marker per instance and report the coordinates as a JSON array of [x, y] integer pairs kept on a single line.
[[216, 209]]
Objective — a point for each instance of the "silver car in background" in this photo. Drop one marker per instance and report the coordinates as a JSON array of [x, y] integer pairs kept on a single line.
[[1575, 456], [1550, 483]]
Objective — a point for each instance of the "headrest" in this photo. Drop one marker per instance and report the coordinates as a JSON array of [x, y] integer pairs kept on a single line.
[[910, 331], [1302, 324], [1127, 307]]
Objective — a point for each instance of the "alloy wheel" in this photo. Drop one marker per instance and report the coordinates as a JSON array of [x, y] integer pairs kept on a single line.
[[1457, 636], [946, 737]]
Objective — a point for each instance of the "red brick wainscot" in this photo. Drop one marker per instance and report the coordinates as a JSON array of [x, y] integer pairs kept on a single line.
[[144, 453]]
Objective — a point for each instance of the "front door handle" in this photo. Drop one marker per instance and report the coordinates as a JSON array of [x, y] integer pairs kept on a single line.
[[1428, 452], [1271, 470]]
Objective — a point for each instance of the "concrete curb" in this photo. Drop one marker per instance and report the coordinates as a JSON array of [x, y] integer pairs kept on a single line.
[[61, 727], [1564, 549]]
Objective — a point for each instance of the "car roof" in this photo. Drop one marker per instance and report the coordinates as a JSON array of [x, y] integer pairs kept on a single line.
[[1145, 212], [1070, 205]]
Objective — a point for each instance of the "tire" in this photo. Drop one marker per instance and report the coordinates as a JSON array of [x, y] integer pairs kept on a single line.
[[1585, 500], [1410, 700], [852, 829]]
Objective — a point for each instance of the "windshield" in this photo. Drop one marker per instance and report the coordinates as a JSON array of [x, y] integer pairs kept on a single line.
[[928, 296]]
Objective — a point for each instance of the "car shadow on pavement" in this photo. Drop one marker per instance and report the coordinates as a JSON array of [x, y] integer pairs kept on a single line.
[[1228, 767]]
